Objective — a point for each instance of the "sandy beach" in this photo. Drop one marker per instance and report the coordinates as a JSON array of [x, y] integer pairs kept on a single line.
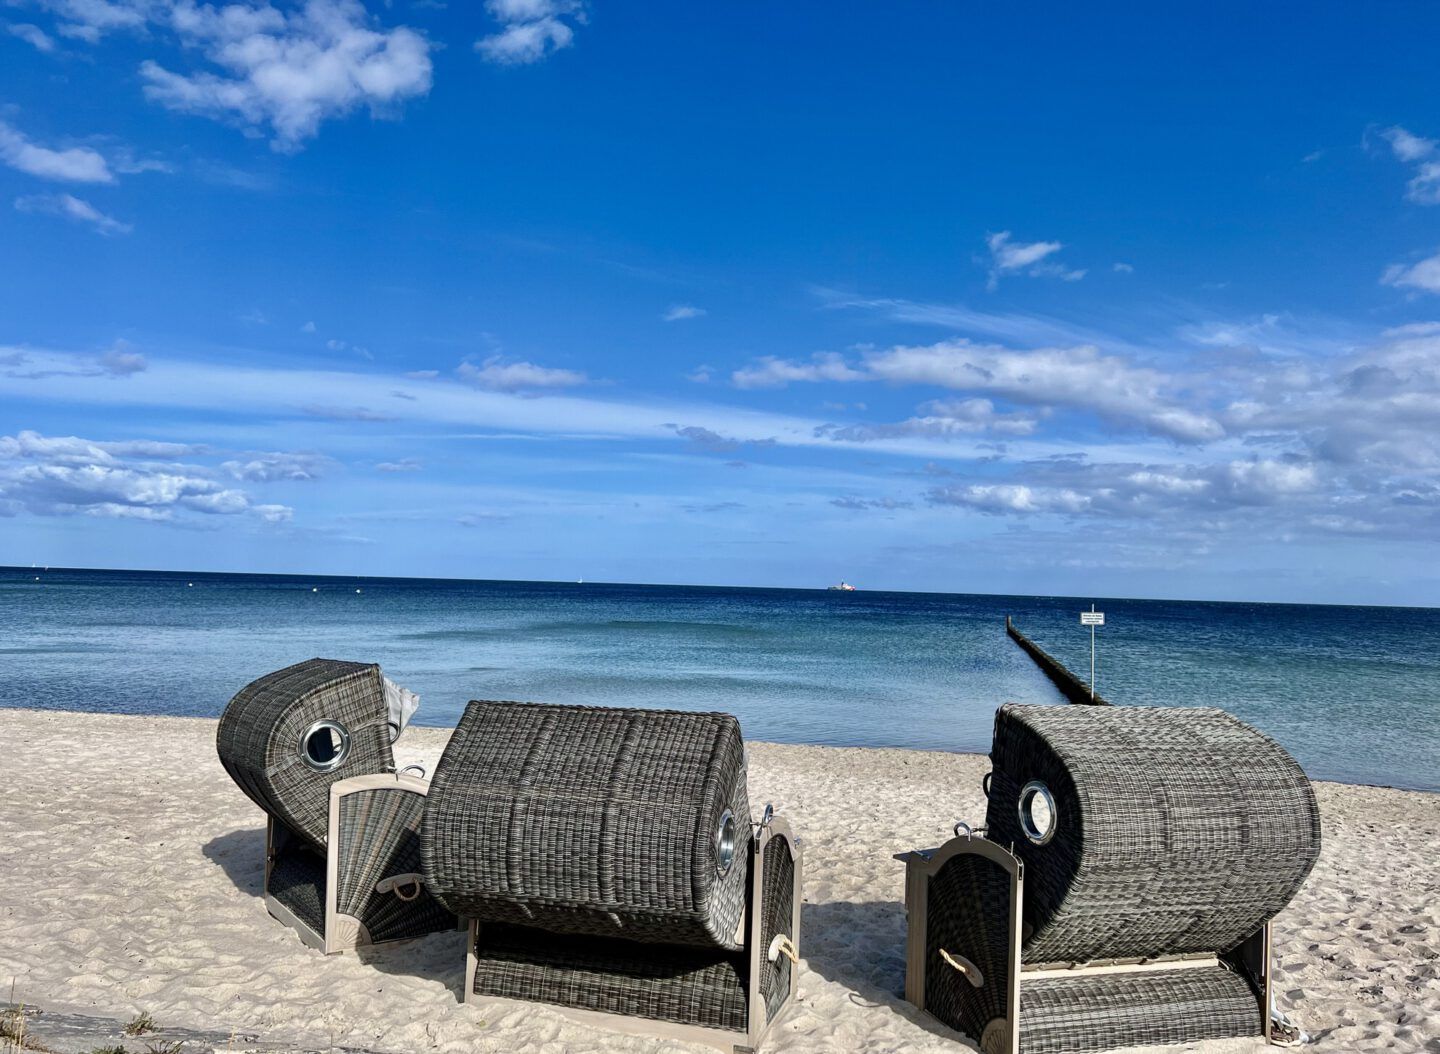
[[131, 868]]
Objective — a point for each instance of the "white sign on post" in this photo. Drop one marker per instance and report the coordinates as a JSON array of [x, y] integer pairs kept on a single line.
[[1092, 618]]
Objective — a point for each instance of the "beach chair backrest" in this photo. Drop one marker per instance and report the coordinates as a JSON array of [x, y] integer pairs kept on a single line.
[[1147, 831], [286, 737], [588, 820]]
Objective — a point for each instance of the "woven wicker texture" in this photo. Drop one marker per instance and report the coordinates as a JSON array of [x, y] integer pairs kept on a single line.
[[692, 986], [261, 733], [1176, 829], [777, 905], [379, 837], [592, 821], [1101, 1012], [297, 881], [968, 905]]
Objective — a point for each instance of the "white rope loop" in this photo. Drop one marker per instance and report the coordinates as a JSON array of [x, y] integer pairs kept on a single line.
[[964, 966], [783, 945]]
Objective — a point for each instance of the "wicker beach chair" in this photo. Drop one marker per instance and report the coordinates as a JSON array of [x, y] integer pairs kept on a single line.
[[1122, 892], [608, 865], [311, 745]]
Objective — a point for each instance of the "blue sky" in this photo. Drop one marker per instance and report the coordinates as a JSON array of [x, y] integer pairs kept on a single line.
[[929, 296]]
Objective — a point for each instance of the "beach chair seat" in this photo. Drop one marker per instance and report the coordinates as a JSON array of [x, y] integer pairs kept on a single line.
[[608, 866], [1122, 888], [311, 745]]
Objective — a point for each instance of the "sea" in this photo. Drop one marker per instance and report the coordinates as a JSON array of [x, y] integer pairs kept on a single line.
[[1352, 692]]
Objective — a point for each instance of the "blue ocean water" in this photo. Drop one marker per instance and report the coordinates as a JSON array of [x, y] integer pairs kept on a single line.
[[1353, 692]]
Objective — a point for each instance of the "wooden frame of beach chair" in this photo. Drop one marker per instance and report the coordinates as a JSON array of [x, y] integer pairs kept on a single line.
[[372, 891], [1047, 992], [772, 835]]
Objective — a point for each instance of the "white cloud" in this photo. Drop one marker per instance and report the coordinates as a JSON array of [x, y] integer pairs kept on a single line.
[[275, 513], [940, 419], [1408, 146], [36, 37], [308, 327], [289, 70], [73, 208], [1011, 498], [1011, 257], [269, 467], [1081, 378], [1424, 154], [68, 475], [76, 164], [89, 20], [532, 29], [405, 464], [1123, 268], [680, 312], [1424, 275], [771, 372], [497, 375]]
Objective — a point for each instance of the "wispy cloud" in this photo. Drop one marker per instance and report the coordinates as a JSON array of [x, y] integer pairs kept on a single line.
[[1079, 377], [680, 312], [850, 501], [33, 35], [329, 412], [530, 29], [72, 208], [1424, 154], [122, 360], [771, 372], [1009, 257], [1424, 275], [497, 375], [270, 467], [76, 164]]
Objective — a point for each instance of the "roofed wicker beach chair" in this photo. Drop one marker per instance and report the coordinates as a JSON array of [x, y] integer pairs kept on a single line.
[[311, 745], [1122, 891], [608, 863]]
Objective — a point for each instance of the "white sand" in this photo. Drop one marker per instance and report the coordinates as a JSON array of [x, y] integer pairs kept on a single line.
[[130, 872]]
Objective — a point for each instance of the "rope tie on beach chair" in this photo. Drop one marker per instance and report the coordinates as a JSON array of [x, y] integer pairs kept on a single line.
[[406, 887], [783, 945], [966, 968], [1284, 1032]]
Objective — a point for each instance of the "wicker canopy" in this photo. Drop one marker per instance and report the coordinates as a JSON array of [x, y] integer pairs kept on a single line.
[[286, 737], [608, 822], [1147, 830]]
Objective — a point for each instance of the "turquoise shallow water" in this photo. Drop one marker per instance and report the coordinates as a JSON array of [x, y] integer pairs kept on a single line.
[[1353, 692]]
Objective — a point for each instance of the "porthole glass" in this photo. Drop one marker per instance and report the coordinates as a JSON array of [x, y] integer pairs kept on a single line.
[[324, 746], [725, 843], [1037, 812]]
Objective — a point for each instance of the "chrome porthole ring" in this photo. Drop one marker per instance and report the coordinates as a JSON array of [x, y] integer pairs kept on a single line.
[[725, 843], [325, 746], [1038, 828]]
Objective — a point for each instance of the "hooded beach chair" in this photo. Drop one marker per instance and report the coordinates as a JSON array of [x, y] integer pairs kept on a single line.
[[1121, 895], [311, 745], [609, 867]]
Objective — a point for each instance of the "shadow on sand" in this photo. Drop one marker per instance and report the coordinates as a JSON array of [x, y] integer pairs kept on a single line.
[[241, 855], [861, 945]]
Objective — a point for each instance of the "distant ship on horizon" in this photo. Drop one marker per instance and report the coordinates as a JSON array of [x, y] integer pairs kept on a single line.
[[842, 587]]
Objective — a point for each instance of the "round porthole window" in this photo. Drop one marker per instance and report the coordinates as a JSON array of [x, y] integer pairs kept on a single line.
[[1037, 812], [725, 843], [324, 746]]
